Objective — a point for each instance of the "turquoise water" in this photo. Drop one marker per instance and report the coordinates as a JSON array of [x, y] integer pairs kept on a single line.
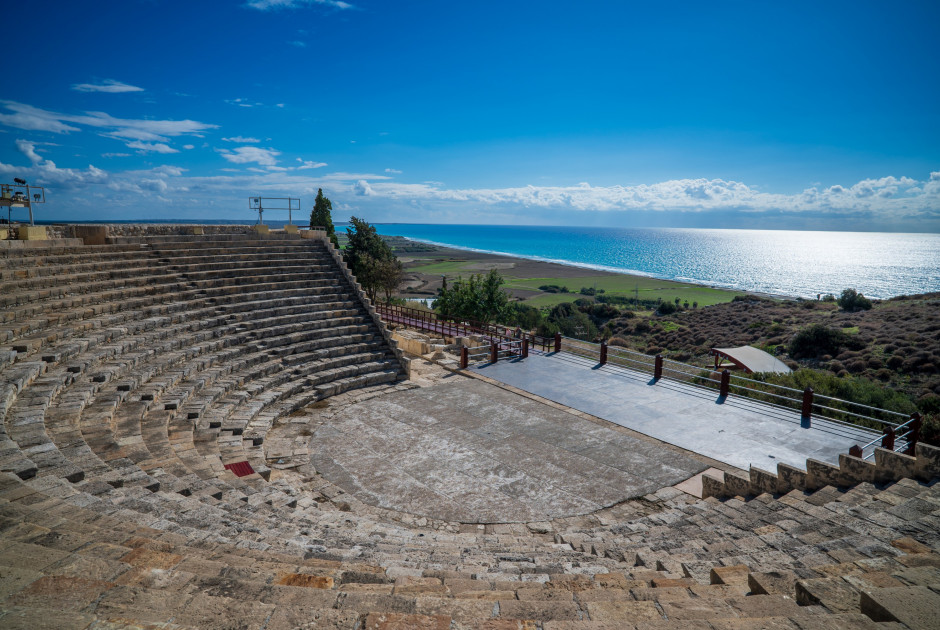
[[791, 263]]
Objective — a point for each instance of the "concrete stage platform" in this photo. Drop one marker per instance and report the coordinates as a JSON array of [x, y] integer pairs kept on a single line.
[[738, 431], [468, 451]]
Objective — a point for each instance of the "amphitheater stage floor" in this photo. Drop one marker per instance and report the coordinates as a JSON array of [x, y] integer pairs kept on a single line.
[[468, 451], [737, 431]]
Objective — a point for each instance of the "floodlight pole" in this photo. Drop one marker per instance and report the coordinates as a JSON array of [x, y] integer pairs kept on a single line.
[[29, 204]]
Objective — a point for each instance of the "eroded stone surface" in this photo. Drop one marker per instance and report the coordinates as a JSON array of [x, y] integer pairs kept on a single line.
[[468, 451]]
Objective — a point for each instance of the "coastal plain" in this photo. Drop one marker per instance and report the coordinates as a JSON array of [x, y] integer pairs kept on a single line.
[[426, 265]]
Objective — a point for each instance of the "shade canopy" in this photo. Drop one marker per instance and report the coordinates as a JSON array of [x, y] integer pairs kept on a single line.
[[750, 359]]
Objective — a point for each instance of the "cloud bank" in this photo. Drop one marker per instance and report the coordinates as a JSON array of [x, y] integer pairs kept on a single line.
[[129, 130]]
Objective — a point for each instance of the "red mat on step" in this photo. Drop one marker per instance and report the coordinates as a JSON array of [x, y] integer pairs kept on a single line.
[[240, 468]]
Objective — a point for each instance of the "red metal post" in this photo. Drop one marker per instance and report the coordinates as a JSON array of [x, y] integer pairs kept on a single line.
[[603, 353], [658, 367], [557, 342], [494, 352], [725, 383], [525, 348], [807, 403], [887, 442], [464, 357]]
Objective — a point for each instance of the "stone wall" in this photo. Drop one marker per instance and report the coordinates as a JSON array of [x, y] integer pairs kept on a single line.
[[366, 302], [887, 467], [149, 229]]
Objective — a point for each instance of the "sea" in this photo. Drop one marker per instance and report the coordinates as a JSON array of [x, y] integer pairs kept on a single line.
[[785, 263]]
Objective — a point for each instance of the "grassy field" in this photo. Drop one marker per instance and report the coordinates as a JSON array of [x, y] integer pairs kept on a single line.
[[624, 286], [612, 284]]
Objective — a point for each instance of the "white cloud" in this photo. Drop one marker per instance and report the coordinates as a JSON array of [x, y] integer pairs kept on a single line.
[[246, 155], [35, 119], [111, 86], [886, 197], [269, 5], [243, 102], [306, 164], [242, 140], [393, 170], [45, 172], [189, 146], [29, 150], [155, 147], [111, 155], [363, 188], [298, 44]]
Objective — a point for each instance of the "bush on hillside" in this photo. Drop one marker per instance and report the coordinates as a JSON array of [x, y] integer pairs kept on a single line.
[[667, 308], [852, 301], [815, 341]]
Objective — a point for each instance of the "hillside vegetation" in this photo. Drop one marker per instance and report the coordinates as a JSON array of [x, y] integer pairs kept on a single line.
[[895, 343]]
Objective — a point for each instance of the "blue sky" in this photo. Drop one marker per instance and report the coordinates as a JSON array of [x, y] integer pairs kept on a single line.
[[724, 114]]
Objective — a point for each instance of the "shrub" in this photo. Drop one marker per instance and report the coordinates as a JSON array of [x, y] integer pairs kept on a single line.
[[852, 301], [666, 308], [814, 341]]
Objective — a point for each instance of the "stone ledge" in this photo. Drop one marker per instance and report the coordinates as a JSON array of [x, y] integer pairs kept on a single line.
[[888, 467]]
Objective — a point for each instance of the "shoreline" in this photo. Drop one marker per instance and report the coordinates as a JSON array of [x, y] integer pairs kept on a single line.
[[565, 268]]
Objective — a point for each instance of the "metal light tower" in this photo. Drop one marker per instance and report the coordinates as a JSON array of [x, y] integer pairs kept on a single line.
[[19, 194]]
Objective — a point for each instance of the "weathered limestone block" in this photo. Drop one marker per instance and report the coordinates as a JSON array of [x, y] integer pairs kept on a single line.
[[927, 465], [893, 466], [820, 474], [856, 470], [790, 478], [261, 229], [916, 607], [737, 484], [91, 234], [32, 233], [290, 229], [712, 487], [763, 481]]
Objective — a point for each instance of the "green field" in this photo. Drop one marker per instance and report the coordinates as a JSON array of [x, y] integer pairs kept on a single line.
[[452, 268], [614, 285], [625, 286]]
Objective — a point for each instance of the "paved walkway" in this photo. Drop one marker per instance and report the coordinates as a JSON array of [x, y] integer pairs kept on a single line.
[[738, 432]]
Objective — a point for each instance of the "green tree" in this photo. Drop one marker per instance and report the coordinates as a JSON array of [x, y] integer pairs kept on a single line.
[[851, 301], [567, 319], [480, 298], [321, 215], [389, 274], [371, 259]]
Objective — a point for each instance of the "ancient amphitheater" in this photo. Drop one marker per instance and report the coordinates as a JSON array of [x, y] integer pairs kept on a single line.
[[216, 431]]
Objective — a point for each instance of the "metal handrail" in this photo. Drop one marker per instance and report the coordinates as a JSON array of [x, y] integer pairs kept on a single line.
[[584, 347]]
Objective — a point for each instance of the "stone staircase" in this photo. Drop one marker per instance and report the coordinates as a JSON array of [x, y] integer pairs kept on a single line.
[[126, 405]]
